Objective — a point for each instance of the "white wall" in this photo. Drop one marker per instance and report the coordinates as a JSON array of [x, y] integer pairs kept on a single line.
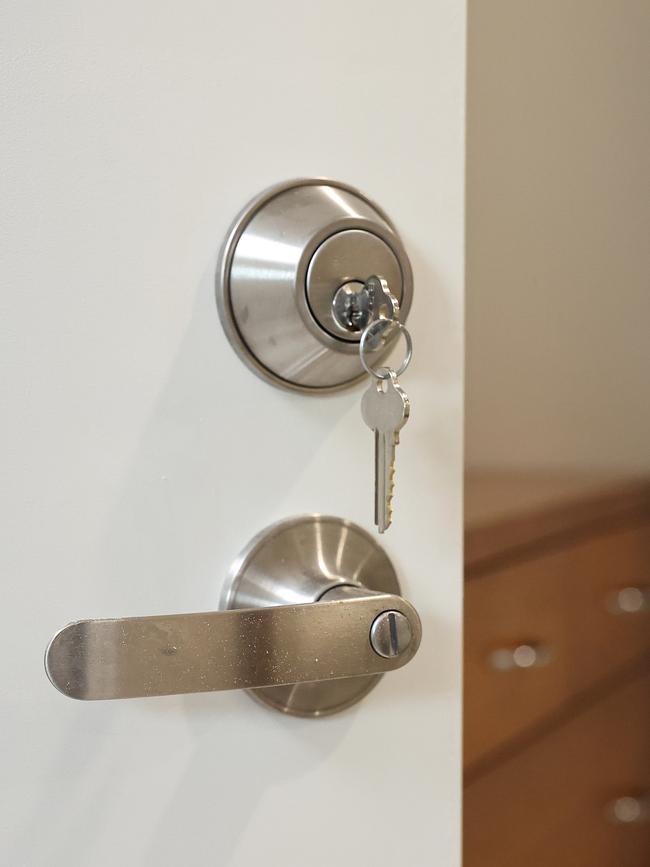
[[558, 210]]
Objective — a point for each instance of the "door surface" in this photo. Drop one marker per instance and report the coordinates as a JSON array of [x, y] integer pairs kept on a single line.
[[140, 455]]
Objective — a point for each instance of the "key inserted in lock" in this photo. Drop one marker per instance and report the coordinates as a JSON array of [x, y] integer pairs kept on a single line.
[[291, 279], [356, 304]]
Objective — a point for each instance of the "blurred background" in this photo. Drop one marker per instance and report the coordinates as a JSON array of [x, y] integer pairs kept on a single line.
[[557, 689]]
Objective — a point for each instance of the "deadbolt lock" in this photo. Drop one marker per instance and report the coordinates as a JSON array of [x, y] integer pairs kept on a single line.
[[290, 282]]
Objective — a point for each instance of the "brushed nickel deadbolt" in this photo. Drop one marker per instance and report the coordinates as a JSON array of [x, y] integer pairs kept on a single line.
[[290, 280]]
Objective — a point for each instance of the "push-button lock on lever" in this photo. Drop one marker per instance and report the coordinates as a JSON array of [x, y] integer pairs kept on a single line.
[[345, 627]]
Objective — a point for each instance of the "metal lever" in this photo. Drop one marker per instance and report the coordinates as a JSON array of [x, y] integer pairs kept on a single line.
[[335, 646], [182, 653]]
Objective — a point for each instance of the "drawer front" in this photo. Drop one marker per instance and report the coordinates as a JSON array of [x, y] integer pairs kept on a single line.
[[578, 797], [576, 615]]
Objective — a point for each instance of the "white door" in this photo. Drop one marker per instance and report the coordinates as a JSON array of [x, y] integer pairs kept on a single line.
[[140, 455]]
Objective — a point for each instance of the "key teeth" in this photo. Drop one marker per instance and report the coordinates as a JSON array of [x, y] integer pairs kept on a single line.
[[391, 492]]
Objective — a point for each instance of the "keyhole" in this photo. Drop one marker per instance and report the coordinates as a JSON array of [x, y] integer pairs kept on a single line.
[[352, 306]]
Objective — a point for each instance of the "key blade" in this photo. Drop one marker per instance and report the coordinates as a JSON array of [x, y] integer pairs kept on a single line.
[[388, 470], [385, 409], [380, 481], [378, 448], [385, 471]]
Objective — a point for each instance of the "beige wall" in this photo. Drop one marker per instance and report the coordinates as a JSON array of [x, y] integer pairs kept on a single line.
[[558, 297]]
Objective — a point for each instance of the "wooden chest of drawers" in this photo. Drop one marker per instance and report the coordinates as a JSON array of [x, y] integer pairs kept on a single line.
[[557, 655]]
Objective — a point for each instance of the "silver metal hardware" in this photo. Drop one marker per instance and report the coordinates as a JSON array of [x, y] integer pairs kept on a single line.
[[377, 332], [353, 252], [385, 406], [301, 600], [384, 304], [355, 304], [385, 409], [168, 655], [629, 600], [284, 260], [391, 634], [522, 656], [352, 306], [629, 810]]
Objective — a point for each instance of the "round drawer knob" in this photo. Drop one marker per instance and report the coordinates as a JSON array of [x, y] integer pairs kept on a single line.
[[630, 600], [522, 656], [629, 810]]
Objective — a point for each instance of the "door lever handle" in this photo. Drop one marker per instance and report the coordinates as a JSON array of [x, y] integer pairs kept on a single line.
[[246, 649], [339, 630]]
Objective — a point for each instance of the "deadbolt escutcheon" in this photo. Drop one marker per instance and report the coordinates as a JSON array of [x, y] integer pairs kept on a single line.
[[285, 257]]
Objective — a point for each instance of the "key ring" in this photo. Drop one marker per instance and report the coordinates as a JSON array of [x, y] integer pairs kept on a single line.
[[383, 323]]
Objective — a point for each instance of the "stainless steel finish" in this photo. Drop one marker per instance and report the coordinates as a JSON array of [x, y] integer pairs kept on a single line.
[[385, 304], [391, 634], [629, 810], [377, 333], [352, 308], [348, 257], [304, 559], [136, 657], [630, 600], [356, 304], [385, 408], [300, 559], [285, 257], [297, 632], [520, 656]]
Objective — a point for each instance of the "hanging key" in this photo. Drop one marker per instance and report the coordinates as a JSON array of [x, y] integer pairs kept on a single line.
[[385, 408]]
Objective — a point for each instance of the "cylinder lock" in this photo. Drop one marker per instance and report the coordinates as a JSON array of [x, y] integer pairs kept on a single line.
[[336, 291], [292, 282]]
